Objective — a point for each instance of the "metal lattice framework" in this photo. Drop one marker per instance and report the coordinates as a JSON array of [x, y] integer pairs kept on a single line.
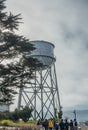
[[42, 94]]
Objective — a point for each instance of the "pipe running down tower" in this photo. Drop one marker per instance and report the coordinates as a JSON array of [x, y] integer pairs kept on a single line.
[[43, 93]]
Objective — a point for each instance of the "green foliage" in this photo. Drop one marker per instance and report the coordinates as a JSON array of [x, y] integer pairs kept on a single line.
[[7, 123], [25, 114], [13, 46], [32, 121], [60, 113], [3, 116], [12, 21], [8, 23], [2, 7], [20, 124], [14, 116]]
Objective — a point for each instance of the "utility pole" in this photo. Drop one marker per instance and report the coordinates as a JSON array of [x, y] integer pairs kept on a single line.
[[75, 114]]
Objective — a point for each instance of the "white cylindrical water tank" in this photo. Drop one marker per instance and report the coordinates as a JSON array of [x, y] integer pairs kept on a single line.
[[44, 52]]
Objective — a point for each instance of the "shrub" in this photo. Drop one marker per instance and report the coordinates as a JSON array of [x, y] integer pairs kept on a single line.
[[3, 116], [25, 113], [7, 123]]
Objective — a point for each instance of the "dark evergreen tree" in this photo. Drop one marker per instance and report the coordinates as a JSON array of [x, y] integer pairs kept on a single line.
[[15, 76], [24, 114], [13, 47]]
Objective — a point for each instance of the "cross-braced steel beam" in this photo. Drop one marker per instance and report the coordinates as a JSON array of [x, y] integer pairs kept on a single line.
[[42, 94]]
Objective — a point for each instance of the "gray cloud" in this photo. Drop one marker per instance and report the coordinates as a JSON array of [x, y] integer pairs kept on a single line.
[[63, 23]]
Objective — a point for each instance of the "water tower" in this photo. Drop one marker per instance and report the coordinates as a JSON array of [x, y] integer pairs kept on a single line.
[[43, 93]]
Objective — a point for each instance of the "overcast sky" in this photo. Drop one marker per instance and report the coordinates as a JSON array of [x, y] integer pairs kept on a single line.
[[65, 24]]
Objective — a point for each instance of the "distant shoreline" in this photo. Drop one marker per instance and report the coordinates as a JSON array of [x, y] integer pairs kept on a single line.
[[81, 115]]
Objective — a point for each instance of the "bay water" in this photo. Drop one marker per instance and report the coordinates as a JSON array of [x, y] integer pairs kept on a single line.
[[81, 115]]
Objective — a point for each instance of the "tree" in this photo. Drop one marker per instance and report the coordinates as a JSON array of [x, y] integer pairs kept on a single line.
[[14, 116], [13, 46], [25, 114], [16, 76], [60, 113]]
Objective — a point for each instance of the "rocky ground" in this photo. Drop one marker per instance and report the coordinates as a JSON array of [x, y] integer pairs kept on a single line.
[[82, 127]]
